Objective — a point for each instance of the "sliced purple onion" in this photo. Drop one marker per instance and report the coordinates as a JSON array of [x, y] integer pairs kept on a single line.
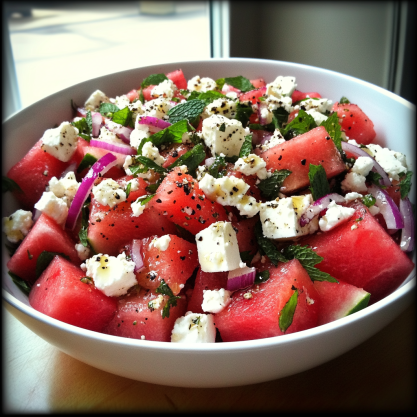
[[97, 122], [113, 147], [259, 137], [154, 122], [407, 233], [100, 167], [122, 132], [322, 203], [240, 278], [136, 253], [355, 150], [389, 210], [36, 214]]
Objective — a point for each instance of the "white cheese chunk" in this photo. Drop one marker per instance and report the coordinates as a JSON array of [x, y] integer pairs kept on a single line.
[[201, 84], [64, 187], [223, 135], [321, 105], [334, 216], [215, 301], [281, 219], [317, 116], [161, 243], [194, 328], [137, 207], [152, 152], [218, 249], [93, 102], [354, 182], [165, 89], [251, 165], [275, 139], [61, 142], [17, 225], [393, 163], [53, 206], [111, 275], [363, 165], [222, 106], [82, 251], [109, 193], [352, 196], [159, 107], [121, 101], [281, 87]]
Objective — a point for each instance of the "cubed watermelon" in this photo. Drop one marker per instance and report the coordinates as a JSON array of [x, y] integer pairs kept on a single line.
[[60, 294]]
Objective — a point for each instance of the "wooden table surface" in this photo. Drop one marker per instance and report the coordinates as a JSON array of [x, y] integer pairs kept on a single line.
[[378, 375]]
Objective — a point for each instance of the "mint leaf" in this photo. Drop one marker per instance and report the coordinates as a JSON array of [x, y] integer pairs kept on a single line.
[[192, 159], [144, 199], [256, 126], [266, 247], [87, 162], [405, 184], [141, 96], [299, 125], [308, 259], [128, 187], [7, 184], [344, 100], [319, 186], [375, 178], [190, 110], [20, 283], [243, 113], [172, 301], [82, 234], [151, 188], [84, 129], [369, 200], [209, 96], [44, 259], [280, 116], [332, 126], [270, 186], [153, 79], [218, 168], [146, 164], [220, 83], [261, 276], [239, 82], [246, 257], [222, 127], [106, 108], [287, 313], [124, 117], [246, 148]]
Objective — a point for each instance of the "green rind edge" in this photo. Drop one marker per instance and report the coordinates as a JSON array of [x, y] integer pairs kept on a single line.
[[360, 305]]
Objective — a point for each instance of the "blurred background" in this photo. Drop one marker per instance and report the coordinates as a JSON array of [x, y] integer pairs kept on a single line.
[[48, 46]]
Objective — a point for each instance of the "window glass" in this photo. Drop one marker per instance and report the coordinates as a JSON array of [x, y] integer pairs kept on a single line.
[[56, 45]]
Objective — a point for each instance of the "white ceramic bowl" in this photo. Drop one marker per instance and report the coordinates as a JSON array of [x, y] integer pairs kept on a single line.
[[222, 364]]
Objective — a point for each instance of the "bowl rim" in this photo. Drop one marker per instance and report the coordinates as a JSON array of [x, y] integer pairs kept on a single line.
[[406, 288]]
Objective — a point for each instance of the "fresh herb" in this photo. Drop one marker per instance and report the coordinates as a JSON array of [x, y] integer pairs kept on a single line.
[[86, 280], [375, 178], [239, 82], [243, 113], [266, 247], [185, 234], [106, 108], [141, 96], [8, 184], [270, 186], [218, 168], [196, 321], [280, 116], [84, 128], [124, 117], [246, 257], [270, 127], [143, 164], [369, 200], [308, 259], [287, 313], [153, 79], [190, 110], [344, 100], [261, 277], [151, 188], [82, 234], [44, 259], [87, 162], [20, 283], [332, 126], [405, 184], [172, 300], [128, 187], [220, 83], [319, 186], [246, 148], [209, 96], [144, 199], [192, 159], [299, 125], [222, 127]]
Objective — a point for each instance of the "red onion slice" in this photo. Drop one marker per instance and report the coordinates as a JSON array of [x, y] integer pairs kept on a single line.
[[122, 132], [319, 205], [240, 278], [355, 150], [136, 253], [112, 147], [259, 137], [387, 207], [154, 122], [97, 122], [407, 233], [100, 167]]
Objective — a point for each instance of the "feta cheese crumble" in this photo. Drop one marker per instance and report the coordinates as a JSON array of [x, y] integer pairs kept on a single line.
[[218, 249], [194, 328], [393, 163], [252, 164], [93, 102], [165, 89], [111, 275], [17, 225], [53, 206], [61, 142], [201, 84], [334, 216], [215, 301], [161, 243], [109, 193], [64, 188]]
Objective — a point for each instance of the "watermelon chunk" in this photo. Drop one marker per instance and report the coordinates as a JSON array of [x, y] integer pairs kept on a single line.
[[298, 95], [365, 256], [314, 147], [355, 123], [177, 77], [45, 235], [253, 95], [134, 319], [60, 293], [112, 228], [180, 200], [173, 265], [339, 300], [257, 316]]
